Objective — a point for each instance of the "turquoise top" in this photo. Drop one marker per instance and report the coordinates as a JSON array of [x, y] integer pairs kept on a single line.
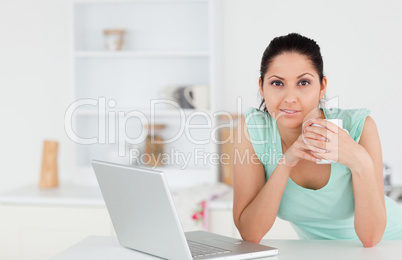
[[326, 213]]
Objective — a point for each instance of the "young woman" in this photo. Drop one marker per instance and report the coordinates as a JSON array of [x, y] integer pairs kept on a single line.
[[277, 148]]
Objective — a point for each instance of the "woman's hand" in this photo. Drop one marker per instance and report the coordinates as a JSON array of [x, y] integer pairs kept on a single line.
[[299, 150], [339, 146]]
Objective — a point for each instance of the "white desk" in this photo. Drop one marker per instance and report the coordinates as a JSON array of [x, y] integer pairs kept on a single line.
[[102, 248]]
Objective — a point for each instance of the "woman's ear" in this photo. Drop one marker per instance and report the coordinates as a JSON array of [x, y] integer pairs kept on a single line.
[[323, 87], [261, 88]]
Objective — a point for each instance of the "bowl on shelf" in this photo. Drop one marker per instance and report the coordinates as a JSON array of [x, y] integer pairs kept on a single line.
[[114, 39]]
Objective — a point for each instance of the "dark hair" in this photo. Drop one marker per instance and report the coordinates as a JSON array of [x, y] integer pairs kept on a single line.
[[295, 43]]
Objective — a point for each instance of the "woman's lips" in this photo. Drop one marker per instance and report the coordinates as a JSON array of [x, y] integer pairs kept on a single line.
[[290, 112]]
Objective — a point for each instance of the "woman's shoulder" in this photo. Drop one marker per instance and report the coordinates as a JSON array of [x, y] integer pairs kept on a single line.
[[252, 111], [347, 115], [259, 125], [352, 119]]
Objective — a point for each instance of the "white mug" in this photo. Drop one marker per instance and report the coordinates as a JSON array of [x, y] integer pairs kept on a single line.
[[197, 96], [337, 122]]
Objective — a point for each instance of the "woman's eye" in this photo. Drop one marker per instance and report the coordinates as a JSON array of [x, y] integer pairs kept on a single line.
[[304, 83], [277, 83]]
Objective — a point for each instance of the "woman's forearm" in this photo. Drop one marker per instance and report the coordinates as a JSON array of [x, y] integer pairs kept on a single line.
[[259, 216], [370, 213]]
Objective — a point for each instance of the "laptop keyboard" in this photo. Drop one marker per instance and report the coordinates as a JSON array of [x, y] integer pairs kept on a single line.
[[198, 249]]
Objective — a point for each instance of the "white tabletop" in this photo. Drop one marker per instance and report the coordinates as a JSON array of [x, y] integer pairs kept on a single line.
[[102, 248]]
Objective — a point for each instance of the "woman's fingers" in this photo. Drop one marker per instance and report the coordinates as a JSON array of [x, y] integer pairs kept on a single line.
[[326, 124], [313, 136], [314, 145], [310, 156], [317, 130], [307, 153], [302, 149]]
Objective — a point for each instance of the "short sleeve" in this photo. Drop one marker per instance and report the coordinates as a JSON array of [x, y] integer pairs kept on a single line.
[[353, 121]]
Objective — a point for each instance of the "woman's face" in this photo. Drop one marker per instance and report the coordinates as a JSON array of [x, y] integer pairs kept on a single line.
[[291, 84]]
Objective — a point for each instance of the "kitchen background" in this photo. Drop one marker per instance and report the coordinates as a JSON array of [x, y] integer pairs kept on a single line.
[[360, 40]]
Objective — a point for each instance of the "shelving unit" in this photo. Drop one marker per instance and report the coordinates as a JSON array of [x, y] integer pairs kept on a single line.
[[167, 43]]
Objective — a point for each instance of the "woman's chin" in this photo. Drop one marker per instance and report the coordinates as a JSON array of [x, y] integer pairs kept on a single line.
[[290, 123]]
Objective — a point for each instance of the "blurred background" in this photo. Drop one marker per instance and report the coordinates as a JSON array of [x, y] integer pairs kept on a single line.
[[359, 40]]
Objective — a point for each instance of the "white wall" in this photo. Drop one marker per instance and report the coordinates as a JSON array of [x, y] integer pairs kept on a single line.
[[35, 85], [360, 42]]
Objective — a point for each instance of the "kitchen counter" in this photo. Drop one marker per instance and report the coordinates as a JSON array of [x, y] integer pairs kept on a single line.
[[67, 194]]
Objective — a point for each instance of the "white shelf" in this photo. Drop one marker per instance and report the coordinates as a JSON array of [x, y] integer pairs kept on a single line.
[[150, 25], [141, 54], [168, 43]]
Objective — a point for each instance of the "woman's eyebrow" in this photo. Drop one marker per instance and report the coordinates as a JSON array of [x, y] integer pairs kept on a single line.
[[276, 76], [297, 77], [305, 74]]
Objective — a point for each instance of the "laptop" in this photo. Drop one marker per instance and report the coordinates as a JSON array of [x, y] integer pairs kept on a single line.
[[145, 219]]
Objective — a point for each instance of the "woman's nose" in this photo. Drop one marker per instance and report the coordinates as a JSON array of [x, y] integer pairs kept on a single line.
[[290, 97]]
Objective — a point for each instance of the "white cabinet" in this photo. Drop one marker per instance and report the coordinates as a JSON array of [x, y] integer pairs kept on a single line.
[[39, 232], [115, 93], [37, 224]]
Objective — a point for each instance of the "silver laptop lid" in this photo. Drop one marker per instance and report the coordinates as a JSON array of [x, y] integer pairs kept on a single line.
[[142, 210]]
